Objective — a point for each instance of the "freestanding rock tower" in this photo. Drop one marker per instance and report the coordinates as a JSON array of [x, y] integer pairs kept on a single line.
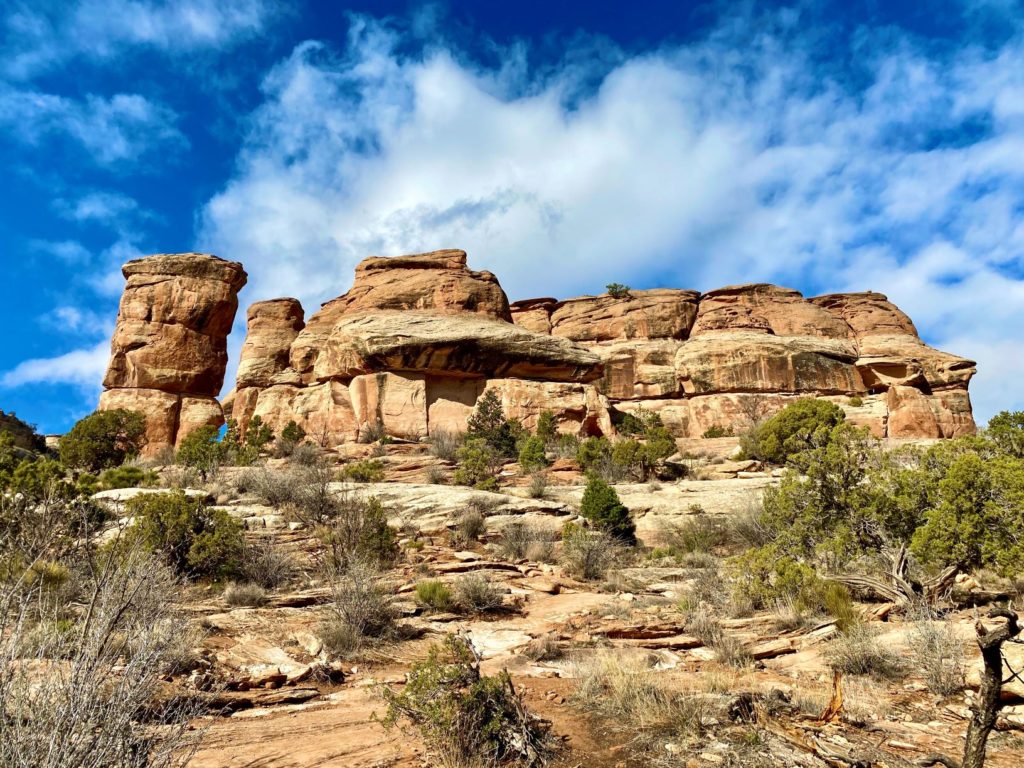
[[169, 350]]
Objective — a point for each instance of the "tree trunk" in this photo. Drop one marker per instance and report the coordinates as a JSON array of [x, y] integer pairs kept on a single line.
[[985, 709]]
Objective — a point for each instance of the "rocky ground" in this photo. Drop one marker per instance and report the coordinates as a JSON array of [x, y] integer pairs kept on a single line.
[[286, 702]]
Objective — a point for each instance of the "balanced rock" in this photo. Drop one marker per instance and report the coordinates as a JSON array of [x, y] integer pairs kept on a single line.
[[169, 350]]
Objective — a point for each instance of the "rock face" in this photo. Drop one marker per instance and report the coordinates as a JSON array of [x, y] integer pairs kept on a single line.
[[169, 349], [418, 339], [735, 355], [411, 347]]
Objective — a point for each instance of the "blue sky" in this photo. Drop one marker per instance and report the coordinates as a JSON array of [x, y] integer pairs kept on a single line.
[[564, 145]]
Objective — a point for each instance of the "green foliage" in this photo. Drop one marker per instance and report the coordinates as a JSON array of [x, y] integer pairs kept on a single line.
[[717, 430], [293, 433], [257, 434], [359, 531], [531, 454], [201, 450], [23, 435], [977, 516], [127, 476], [617, 290], [637, 423], [467, 719], [1006, 430], [40, 477], [800, 426], [103, 439], [488, 423], [478, 466], [593, 452], [366, 471], [602, 507], [196, 540], [856, 401], [547, 426], [435, 595]]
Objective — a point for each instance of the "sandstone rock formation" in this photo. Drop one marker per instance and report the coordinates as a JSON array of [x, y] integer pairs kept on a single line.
[[169, 349], [411, 347], [418, 339]]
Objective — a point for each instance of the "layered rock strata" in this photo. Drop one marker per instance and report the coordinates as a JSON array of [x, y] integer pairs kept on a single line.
[[169, 349], [743, 352], [412, 346], [418, 339]]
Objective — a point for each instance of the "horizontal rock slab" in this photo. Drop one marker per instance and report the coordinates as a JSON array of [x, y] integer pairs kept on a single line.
[[466, 344]]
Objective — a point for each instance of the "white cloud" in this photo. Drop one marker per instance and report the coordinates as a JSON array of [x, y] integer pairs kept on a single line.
[[108, 208], [122, 127], [68, 251], [81, 367], [720, 161], [39, 38], [68, 319]]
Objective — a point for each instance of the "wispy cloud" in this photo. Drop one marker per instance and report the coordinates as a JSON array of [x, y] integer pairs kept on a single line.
[[122, 127], [41, 36], [108, 208], [743, 156], [81, 367]]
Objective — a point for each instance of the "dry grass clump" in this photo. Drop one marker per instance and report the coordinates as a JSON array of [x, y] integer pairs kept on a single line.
[[628, 692], [265, 564], [470, 526], [475, 593], [544, 648], [938, 653], [445, 445], [361, 612], [858, 652], [587, 554], [538, 488], [523, 541], [244, 595]]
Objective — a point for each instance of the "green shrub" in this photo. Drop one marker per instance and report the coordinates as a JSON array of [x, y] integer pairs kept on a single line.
[[1006, 430], [860, 653], [547, 426], [366, 471], [617, 290], [855, 402], [128, 476], [194, 539], [244, 595], [531, 454], [293, 433], [593, 453], [201, 450], [103, 439], [358, 529], [800, 426], [435, 595], [488, 423], [39, 478], [475, 593], [717, 430], [467, 719], [478, 466], [602, 507]]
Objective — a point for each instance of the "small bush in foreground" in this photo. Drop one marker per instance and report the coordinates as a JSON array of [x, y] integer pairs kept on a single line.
[[602, 507], [531, 454], [362, 610], [194, 539], [474, 593], [103, 439], [467, 719], [939, 655], [521, 541], [444, 444], [434, 595], [367, 471], [244, 595], [479, 464], [359, 530], [470, 526], [587, 554], [265, 564], [859, 652]]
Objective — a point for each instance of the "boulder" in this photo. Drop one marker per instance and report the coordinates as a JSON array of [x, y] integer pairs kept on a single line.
[[272, 328]]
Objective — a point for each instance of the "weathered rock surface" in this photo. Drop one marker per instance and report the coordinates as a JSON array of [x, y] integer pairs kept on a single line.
[[418, 339], [169, 349]]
